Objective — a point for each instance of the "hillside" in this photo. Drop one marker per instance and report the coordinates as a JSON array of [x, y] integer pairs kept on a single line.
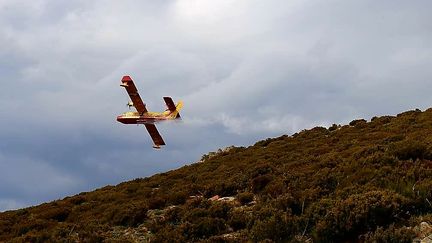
[[366, 181]]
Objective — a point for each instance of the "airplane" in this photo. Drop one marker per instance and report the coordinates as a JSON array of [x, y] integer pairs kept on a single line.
[[143, 116]]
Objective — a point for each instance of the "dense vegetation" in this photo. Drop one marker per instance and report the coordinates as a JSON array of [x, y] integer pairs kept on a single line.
[[366, 181]]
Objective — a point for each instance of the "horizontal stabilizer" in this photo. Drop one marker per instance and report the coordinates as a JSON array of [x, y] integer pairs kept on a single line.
[[169, 103]]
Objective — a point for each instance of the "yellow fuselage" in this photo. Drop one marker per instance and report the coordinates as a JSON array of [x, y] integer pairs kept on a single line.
[[133, 117]]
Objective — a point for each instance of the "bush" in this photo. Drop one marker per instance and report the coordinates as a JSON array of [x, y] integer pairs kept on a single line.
[[128, 215], [260, 182], [288, 203], [245, 197], [205, 227], [358, 123], [333, 127], [77, 200], [58, 213], [391, 234], [239, 219], [178, 198], [156, 203], [219, 210], [409, 149], [279, 227], [274, 188], [169, 234], [358, 214]]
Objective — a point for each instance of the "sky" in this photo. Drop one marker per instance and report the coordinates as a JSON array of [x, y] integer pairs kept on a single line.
[[245, 69]]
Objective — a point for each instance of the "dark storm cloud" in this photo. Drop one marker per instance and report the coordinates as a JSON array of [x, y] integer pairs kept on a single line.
[[246, 70]]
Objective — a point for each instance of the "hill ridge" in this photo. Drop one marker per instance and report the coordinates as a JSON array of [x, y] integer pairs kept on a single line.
[[365, 181]]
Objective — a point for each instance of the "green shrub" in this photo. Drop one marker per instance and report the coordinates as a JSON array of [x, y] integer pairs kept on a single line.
[[409, 149], [156, 202], [245, 197], [287, 203], [59, 213], [239, 219], [275, 188], [358, 123], [130, 215], [77, 200], [178, 198], [390, 234], [219, 210], [260, 182], [205, 227], [278, 228], [359, 214], [334, 127], [169, 234]]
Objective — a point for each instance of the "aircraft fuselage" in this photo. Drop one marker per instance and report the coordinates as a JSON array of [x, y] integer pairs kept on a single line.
[[146, 118]]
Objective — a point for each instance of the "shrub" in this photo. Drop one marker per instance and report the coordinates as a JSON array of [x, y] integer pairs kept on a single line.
[[219, 210], [59, 213], [174, 215], [274, 188], [382, 120], [205, 227], [27, 226], [259, 182], [358, 123], [391, 234], [128, 215], [288, 203], [358, 214], [245, 197], [77, 200], [409, 149], [156, 202], [169, 234], [178, 198], [333, 127], [239, 219], [196, 213], [226, 188], [278, 228]]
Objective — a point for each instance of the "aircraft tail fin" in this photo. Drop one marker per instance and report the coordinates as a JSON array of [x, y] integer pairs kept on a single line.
[[178, 108], [174, 109]]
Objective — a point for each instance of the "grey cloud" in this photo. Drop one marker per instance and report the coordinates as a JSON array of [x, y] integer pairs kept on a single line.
[[10, 204], [24, 177]]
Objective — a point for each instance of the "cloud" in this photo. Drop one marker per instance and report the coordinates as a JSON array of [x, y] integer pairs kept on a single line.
[[27, 181], [10, 204], [246, 70]]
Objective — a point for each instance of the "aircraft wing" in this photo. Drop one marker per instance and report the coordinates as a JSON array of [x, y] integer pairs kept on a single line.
[[128, 83], [154, 134]]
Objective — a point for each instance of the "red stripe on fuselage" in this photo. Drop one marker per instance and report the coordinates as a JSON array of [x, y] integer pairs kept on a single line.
[[140, 120]]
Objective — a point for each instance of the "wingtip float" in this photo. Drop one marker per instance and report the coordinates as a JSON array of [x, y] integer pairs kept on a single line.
[[145, 117]]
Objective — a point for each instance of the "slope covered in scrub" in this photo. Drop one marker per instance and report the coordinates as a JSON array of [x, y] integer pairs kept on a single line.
[[366, 181]]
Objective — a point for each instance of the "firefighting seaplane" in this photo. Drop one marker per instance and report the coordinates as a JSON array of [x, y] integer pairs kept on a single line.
[[143, 116]]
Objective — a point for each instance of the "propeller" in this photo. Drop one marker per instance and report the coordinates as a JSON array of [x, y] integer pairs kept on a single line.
[[129, 104]]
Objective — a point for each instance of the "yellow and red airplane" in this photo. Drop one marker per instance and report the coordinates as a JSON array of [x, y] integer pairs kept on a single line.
[[143, 116]]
